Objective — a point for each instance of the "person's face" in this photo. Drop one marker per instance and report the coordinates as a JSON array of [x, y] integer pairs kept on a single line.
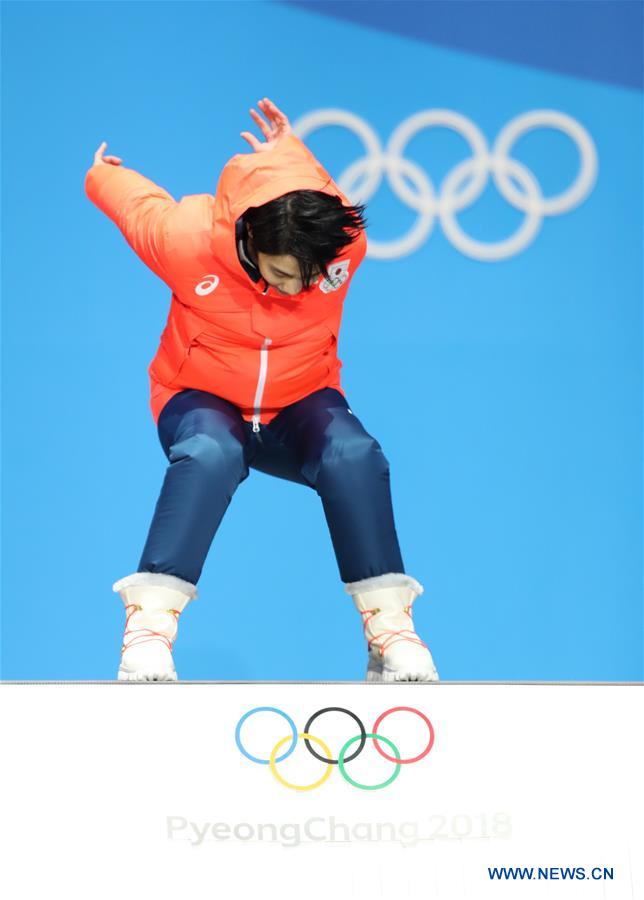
[[281, 272]]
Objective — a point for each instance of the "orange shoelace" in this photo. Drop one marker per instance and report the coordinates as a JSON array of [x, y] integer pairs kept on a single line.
[[141, 635], [393, 636]]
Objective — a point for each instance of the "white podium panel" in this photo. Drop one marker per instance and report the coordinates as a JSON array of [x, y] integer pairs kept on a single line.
[[182, 790]]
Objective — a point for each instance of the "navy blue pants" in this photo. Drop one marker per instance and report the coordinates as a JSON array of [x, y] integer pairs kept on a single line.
[[316, 441]]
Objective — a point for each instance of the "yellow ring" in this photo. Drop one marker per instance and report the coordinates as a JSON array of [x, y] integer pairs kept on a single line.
[[299, 787]]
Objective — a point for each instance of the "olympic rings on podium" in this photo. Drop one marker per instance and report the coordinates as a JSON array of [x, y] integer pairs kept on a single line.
[[300, 787], [342, 759], [362, 735], [430, 743], [279, 712], [370, 787]]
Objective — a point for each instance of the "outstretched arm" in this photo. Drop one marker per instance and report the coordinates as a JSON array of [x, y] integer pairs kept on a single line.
[[140, 208], [147, 214]]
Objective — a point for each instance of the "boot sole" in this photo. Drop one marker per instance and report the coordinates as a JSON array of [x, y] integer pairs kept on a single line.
[[389, 676], [131, 675]]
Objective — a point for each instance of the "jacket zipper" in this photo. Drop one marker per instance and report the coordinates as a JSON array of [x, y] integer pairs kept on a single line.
[[261, 382]]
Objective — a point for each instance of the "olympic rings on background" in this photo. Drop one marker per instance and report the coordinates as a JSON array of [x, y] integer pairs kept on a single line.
[[342, 759], [466, 181]]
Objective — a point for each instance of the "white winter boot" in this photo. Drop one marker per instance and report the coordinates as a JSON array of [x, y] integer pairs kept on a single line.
[[153, 602], [396, 653]]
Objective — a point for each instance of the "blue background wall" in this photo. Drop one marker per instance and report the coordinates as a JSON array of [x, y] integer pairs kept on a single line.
[[506, 394]]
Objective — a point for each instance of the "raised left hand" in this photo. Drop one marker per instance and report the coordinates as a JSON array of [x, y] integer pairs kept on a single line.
[[276, 128]]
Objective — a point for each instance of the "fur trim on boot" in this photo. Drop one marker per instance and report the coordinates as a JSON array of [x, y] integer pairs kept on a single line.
[[159, 579], [391, 579]]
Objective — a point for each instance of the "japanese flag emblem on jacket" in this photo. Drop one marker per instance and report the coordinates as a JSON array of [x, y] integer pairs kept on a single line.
[[339, 274]]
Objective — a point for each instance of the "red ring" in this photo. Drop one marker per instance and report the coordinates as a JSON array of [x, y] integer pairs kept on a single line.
[[404, 709]]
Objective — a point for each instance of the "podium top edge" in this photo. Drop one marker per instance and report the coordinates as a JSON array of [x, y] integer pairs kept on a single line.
[[433, 684]]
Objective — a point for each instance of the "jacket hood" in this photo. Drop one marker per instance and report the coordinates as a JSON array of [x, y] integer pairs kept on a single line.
[[251, 179]]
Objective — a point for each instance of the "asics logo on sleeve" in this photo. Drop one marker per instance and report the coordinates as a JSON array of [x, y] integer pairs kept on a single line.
[[207, 286]]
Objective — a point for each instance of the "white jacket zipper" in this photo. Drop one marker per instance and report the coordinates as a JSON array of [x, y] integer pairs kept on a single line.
[[261, 381]]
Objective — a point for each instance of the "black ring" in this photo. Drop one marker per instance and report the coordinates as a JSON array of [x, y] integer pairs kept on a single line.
[[324, 759]]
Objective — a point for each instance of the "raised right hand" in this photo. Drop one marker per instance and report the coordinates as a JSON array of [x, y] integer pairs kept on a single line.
[[100, 160]]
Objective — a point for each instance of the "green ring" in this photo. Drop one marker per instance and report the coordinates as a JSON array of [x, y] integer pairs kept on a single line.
[[368, 787]]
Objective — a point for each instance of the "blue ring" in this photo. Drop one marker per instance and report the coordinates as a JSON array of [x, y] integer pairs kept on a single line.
[[274, 709]]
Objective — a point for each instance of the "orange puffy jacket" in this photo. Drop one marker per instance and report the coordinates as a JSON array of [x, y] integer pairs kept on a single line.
[[225, 333]]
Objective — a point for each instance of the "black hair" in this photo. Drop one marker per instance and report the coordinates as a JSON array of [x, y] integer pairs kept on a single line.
[[310, 225]]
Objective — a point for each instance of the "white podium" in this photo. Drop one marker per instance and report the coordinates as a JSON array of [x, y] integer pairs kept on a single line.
[[411, 791]]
